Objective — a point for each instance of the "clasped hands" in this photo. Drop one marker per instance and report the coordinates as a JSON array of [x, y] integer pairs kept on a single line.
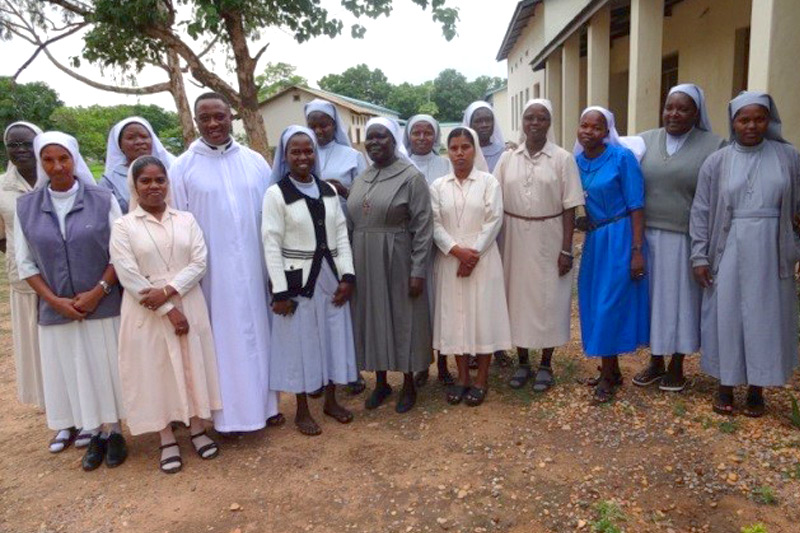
[[468, 259], [154, 297]]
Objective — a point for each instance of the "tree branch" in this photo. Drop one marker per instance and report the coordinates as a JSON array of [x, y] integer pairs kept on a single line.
[[42, 45], [259, 54]]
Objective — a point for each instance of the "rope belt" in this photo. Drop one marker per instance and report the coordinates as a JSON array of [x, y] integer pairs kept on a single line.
[[534, 219]]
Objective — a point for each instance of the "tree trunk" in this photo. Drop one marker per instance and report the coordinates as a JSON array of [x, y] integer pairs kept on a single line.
[[248, 90], [178, 91]]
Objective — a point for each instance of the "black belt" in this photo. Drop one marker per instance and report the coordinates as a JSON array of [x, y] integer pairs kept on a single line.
[[605, 222]]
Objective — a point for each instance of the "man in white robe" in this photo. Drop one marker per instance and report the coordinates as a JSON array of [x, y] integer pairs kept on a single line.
[[222, 183]]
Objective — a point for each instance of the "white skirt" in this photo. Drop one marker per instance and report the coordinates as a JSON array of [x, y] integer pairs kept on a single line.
[[25, 335], [675, 297], [81, 376], [314, 346]]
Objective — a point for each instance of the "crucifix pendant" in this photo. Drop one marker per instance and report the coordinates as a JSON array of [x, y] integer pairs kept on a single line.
[[365, 206]]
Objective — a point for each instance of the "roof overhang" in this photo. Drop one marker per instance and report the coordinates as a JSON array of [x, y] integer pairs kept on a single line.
[[522, 14], [574, 25]]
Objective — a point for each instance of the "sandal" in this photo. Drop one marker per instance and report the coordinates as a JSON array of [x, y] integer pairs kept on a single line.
[[173, 459], [83, 439], [544, 379], [521, 376], [501, 359], [723, 404], [649, 375], [63, 442], [211, 446], [755, 407], [595, 381], [308, 427], [602, 395], [340, 414], [455, 393], [475, 396]]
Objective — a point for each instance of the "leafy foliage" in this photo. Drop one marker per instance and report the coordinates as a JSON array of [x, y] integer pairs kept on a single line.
[[90, 125], [608, 514], [33, 102], [276, 77], [359, 82], [755, 528]]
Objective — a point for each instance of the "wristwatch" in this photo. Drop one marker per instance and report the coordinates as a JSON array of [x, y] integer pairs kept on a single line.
[[105, 286]]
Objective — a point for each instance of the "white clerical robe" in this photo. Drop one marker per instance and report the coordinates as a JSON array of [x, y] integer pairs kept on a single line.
[[223, 188]]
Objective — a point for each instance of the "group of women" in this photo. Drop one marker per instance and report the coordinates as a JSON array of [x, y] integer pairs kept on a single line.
[[690, 245]]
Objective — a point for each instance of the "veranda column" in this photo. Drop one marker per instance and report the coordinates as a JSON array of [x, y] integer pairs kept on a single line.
[[774, 50], [598, 57], [644, 85], [553, 86], [570, 88]]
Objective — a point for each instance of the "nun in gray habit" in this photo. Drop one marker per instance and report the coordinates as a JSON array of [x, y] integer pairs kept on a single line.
[[744, 248]]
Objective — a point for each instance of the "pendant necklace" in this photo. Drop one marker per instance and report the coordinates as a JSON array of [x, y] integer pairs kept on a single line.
[[167, 262], [591, 175], [366, 206]]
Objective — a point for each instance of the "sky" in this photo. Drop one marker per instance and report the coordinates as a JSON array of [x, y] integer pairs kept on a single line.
[[407, 46]]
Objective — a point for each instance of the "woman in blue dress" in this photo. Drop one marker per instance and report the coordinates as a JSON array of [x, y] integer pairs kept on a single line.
[[612, 292]]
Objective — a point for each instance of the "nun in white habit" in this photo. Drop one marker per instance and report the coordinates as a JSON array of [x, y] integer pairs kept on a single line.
[[480, 117], [79, 319], [307, 252], [744, 249], [223, 184], [127, 140]]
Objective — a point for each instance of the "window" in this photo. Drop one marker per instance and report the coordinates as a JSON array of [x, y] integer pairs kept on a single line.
[[295, 97], [537, 91], [741, 58], [358, 136], [669, 78]]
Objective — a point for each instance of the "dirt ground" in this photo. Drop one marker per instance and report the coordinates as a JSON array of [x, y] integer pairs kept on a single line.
[[649, 462]]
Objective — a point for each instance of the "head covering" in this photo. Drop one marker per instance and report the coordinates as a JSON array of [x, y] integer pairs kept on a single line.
[[133, 201], [547, 104], [634, 144], [698, 96], [394, 128], [480, 160], [114, 155], [280, 167], [497, 134], [437, 133], [81, 169], [33, 127], [323, 106], [747, 98]]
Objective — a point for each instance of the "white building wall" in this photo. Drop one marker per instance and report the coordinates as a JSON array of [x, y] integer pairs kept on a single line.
[[523, 82]]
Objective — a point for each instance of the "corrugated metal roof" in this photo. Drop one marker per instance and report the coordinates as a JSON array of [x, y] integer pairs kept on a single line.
[[353, 104], [522, 14]]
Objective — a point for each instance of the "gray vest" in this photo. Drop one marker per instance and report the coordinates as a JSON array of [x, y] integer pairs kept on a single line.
[[76, 263]]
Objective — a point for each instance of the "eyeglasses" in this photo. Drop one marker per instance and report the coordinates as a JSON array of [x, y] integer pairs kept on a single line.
[[19, 144]]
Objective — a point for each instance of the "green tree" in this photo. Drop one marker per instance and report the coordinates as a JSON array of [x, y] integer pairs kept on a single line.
[[276, 77], [485, 84], [359, 82], [90, 125], [33, 102], [134, 31], [409, 99], [452, 93]]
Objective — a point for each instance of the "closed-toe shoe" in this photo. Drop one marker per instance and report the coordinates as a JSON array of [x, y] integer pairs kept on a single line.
[[95, 453], [117, 450]]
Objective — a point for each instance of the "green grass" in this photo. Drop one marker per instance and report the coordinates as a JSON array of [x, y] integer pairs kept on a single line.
[[679, 409], [755, 528], [97, 170], [728, 426], [608, 516], [765, 495]]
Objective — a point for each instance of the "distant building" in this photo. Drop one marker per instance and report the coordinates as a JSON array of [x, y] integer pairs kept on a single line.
[[286, 107], [625, 54], [499, 100]]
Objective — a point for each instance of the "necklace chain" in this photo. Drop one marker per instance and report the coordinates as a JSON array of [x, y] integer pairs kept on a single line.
[[168, 262]]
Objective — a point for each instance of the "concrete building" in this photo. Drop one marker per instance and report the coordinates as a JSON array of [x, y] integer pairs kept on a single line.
[[499, 100], [286, 107], [625, 54]]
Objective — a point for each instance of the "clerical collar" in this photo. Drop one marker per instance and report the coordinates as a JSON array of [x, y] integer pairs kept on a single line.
[[222, 147]]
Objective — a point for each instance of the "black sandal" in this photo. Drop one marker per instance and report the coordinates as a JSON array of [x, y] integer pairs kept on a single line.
[[521, 376], [595, 381], [723, 404], [455, 393], [172, 459], [354, 388], [544, 379], [73, 433], [210, 446], [755, 407], [475, 396], [602, 395]]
